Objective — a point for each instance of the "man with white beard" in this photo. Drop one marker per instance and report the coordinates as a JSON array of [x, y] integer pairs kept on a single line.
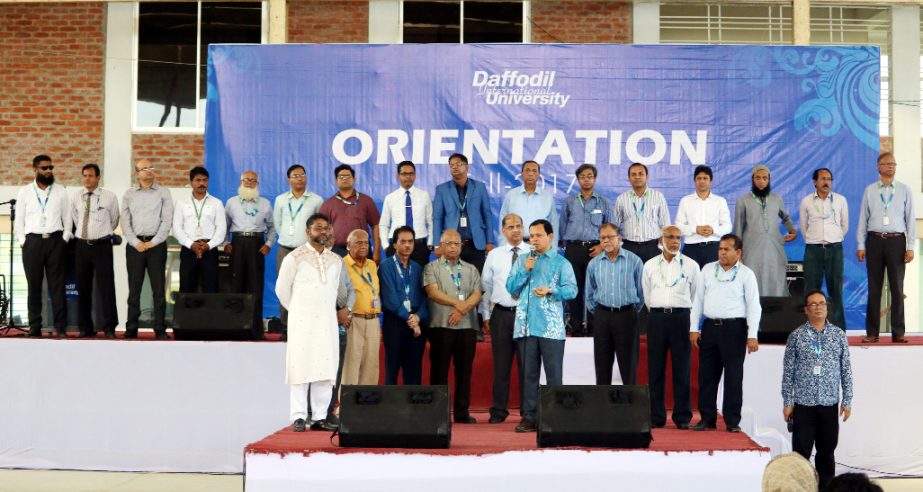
[[250, 221], [307, 287]]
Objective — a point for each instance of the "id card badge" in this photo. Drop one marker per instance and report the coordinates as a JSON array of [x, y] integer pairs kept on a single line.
[[463, 221], [291, 229], [817, 369], [407, 305], [375, 304], [886, 220], [461, 297]]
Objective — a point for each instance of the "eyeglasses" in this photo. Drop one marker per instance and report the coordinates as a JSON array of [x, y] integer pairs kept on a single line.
[[608, 237], [149, 168], [815, 305], [360, 243], [586, 176], [451, 243], [458, 164], [407, 174], [46, 168], [250, 180], [297, 176], [888, 164], [344, 177], [672, 237]]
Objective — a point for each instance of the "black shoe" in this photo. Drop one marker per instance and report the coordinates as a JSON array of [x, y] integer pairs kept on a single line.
[[257, 338], [323, 425], [110, 333], [704, 426], [284, 337], [734, 428], [466, 420], [130, 334], [60, 333], [161, 335], [526, 426], [683, 426], [333, 419], [298, 426], [86, 334], [494, 419], [35, 332], [658, 426]]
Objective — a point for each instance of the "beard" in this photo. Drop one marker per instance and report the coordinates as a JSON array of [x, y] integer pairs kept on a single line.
[[248, 193], [322, 239], [761, 193], [44, 179]]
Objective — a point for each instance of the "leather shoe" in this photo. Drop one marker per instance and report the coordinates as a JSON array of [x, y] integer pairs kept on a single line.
[[161, 335], [526, 426], [899, 340], [658, 426], [35, 332], [703, 426], [323, 425], [110, 333], [870, 340], [130, 334], [734, 428], [466, 420], [496, 420], [684, 426], [284, 337], [61, 333], [298, 426], [86, 334]]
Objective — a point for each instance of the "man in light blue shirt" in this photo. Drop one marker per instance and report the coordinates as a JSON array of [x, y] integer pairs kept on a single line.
[[542, 281], [614, 295], [888, 227], [727, 296], [529, 201]]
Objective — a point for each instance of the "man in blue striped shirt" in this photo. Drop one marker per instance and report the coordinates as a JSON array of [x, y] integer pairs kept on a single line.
[[614, 296], [542, 281]]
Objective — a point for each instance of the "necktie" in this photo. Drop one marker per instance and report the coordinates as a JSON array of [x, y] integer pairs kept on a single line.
[[515, 256], [86, 217], [408, 210]]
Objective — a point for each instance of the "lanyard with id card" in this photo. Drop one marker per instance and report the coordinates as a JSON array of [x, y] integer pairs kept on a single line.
[[818, 349], [404, 282], [367, 278]]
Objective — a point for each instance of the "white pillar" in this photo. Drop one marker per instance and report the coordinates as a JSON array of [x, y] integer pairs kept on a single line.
[[801, 22], [278, 22], [385, 22], [905, 129], [645, 22]]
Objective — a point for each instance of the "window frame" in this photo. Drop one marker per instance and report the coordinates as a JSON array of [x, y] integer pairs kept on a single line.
[[526, 21]]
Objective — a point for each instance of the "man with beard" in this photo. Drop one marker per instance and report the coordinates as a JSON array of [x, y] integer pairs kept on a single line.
[[529, 201], [824, 224], [200, 226], [614, 296], [308, 286], [249, 218], [887, 225], [43, 227], [147, 214], [756, 223], [703, 217], [669, 282], [640, 214], [95, 213]]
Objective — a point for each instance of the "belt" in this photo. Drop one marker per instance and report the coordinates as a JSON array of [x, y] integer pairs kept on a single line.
[[365, 316], [504, 308], [616, 309], [649, 241], [46, 235], [91, 242], [703, 243], [670, 310], [825, 245], [582, 243], [248, 234], [886, 235], [145, 239], [719, 322]]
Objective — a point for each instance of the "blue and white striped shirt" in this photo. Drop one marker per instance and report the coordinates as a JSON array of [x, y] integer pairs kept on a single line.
[[641, 218], [614, 283], [806, 349]]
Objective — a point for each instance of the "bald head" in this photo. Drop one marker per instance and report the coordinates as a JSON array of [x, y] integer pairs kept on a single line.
[[450, 245], [144, 170], [357, 243], [671, 238]]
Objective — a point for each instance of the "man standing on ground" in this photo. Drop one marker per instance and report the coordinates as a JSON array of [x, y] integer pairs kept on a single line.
[[147, 214], [410, 206], [641, 213], [364, 341], [200, 226], [95, 213]]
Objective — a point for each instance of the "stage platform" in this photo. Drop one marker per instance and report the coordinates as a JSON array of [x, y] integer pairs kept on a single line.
[[492, 456]]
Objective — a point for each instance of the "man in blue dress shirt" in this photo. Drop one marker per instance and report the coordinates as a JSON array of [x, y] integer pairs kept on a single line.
[[815, 365], [530, 201], [463, 204], [542, 281], [727, 296]]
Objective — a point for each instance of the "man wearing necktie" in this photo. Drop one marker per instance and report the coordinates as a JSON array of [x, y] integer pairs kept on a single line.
[[410, 206], [95, 213]]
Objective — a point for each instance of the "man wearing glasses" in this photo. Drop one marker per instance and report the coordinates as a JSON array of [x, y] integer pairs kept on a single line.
[[463, 205], [350, 210], [43, 227], [289, 214], [727, 296], [147, 214], [410, 206], [888, 227]]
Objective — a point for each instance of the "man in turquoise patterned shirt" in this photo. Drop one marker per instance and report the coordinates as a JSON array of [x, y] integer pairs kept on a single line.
[[541, 281]]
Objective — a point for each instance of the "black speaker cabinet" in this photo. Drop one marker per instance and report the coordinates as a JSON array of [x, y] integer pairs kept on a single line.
[[212, 316], [781, 315], [395, 417], [594, 416]]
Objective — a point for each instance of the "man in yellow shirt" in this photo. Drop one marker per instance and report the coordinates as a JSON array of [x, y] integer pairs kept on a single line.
[[362, 344]]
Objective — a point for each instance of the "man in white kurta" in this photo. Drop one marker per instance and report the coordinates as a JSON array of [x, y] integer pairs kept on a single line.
[[307, 287]]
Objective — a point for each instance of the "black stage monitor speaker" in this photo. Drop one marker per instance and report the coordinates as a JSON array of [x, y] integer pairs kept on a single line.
[[781, 315], [213, 316], [395, 417], [595, 416]]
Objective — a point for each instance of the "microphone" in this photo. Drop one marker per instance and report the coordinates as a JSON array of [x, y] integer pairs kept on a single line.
[[532, 252]]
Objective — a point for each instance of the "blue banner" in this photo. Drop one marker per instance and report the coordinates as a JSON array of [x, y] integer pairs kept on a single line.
[[671, 107]]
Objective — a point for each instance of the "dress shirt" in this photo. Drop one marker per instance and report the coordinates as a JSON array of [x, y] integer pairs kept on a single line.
[[104, 213], [212, 221], [147, 212], [580, 219], [712, 211], [52, 203], [394, 277], [346, 291], [538, 205], [542, 316], [496, 271], [721, 294], [669, 284], [347, 214], [652, 209], [251, 216], [899, 212], [614, 283], [365, 280], [394, 214], [807, 348], [290, 213], [824, 221], [438, 272]]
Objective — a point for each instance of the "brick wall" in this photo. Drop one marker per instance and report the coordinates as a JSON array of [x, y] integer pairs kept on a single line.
[[328, 21], [172, 154], [581, 21], [51, 74]]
